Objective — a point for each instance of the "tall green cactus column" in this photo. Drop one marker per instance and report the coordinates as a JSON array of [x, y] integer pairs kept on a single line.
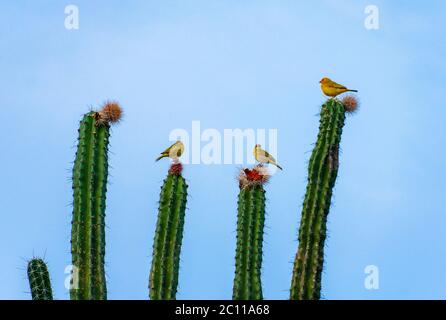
[[163, 279], [322, 173], [90, 173], [39, 280], [250, 225]]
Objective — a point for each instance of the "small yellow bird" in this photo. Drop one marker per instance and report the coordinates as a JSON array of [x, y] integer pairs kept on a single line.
[[264, 157], [332, 89], [174, 151]]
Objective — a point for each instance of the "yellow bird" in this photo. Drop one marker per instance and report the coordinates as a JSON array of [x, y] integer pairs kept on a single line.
[[264, 157], [332, 89], [174, 151]]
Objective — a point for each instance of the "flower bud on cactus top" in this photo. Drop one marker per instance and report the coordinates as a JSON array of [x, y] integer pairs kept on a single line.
[[176, 169]]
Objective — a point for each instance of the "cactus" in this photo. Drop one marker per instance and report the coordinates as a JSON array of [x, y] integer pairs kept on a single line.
[[163, 279], [250, 223], [322, 172], [90, 173], [39, 280]]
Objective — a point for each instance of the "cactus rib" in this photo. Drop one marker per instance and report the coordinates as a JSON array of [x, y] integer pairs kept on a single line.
[[248, 260]]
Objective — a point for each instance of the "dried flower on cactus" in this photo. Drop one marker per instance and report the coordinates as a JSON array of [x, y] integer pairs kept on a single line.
[[350, 103], [110, 113]]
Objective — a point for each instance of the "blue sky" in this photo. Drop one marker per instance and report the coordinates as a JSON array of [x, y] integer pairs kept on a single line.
[[230, 65]]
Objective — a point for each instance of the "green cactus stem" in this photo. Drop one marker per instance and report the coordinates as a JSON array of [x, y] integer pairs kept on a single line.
[[39, 280], [322, 173], [250, 225], [163, 279], [90, 173]]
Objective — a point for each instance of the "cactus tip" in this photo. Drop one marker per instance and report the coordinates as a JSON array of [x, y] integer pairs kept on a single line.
[[176, 169], [111, 112], [350, 103]]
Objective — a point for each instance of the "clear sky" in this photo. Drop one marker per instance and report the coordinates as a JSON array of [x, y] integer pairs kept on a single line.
[[228, 64]]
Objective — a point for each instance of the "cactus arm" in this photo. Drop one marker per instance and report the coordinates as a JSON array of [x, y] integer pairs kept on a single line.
[[175, 239], [305, 236], [163, 278], [322, 172], [39, 280], [315, 189], [248, 259], [323, 207], [89, 190]]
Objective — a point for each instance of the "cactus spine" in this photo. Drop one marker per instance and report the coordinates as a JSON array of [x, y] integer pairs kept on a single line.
[[163, 279], [322, 172], [90, 173], [39, 280], [250, 224]]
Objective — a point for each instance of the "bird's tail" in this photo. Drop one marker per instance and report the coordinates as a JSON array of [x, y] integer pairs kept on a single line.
[[278, 166], [352, 90], [160, 157]]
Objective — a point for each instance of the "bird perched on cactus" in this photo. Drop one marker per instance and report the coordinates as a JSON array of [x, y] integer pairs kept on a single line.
[[333, 89], [174, 152], [263, 156]]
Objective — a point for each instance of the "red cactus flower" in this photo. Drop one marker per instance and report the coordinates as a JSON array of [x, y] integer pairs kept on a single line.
[[176, 169]]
